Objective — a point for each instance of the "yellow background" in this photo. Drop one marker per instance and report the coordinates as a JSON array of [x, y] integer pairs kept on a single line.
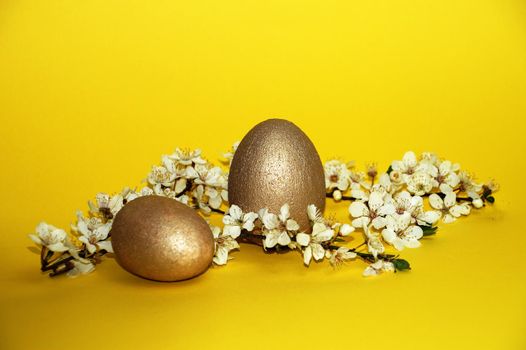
[[92, 93]]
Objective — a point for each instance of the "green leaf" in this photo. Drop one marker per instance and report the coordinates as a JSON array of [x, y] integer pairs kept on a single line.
[[401, 265], [339, 240], [389, 169], [490, 199], [486, 192], [428, 230]]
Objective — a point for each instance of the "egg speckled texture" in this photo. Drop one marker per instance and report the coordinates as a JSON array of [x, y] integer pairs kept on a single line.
[[160, 239], [276, 163]]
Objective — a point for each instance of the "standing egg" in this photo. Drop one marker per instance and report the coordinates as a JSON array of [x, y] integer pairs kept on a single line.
[[275, 164]]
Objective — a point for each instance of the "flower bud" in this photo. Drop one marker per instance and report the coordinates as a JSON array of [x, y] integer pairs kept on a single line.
[[396, 176], [477, 203], [337, 195], [372, 171]]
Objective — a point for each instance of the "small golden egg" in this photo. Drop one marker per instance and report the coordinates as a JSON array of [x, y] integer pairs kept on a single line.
[[160, 239], [274, 164]]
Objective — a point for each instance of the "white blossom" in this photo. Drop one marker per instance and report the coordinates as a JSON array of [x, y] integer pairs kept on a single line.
[[389, 209], [183, 199], [374, 244], [278, 227], [312, 243], [337, 175], [407, 166], [224, 243], [160, 176], [187, 157], [445, 176], [400, 234], [359, 192], [360, 187], [374, 212], [430, 158], [468, 185], [49, 236], [448, 208], [207, 176], [414, 206], [93, 233], [211, 185], [230, 155], [202, 202], [106, 205], [235, 221], [276, 237], [396, 178], [314, 214], [384, 185], [420, 183], [378, 267], [339, 256], [181, 174]]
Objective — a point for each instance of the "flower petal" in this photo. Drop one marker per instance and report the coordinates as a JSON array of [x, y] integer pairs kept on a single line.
[[59, 247], [346, 229], [270, 221], [358, 209], [370, 271], [292, 225], [322, 234], [284, 212], [317, 252], [271, 240], [105, 245], [379, 222], [436, 202], [303, 239], [431, 216], [361, 222], [450, 200], [389, 235], [221, 256], [376, 200], [413, 233], [235, 212], [232, 230], [283, 239], [307, 255]]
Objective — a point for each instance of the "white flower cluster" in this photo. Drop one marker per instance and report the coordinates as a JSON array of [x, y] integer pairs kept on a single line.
[[89, 238], [388, 209], [391, 210], [183, 176], [190, 179], [279, 231]]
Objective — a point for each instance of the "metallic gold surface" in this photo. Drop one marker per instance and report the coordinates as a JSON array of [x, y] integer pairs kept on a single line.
[[161, 239], [276, 163]]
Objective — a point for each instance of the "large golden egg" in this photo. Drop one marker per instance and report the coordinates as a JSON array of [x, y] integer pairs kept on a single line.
[[161, 239], [276, 163]]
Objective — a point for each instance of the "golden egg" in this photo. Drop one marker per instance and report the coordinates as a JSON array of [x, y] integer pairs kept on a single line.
[[160, 239], [276, 163]]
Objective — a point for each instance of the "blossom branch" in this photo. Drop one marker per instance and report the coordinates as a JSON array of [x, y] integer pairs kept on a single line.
[[388, 208]]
